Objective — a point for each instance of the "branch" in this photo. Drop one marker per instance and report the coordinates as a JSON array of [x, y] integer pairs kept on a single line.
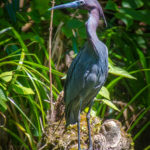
[[50, 69]]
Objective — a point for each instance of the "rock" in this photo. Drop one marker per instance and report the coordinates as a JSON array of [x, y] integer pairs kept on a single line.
[[112, 137]]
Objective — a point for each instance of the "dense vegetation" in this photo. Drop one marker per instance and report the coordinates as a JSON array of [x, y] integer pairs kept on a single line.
[[24, 71]]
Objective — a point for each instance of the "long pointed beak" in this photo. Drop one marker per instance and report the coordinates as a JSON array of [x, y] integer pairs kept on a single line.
[[74, 4]]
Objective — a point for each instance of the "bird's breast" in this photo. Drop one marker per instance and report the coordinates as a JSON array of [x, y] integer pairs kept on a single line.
[[96, 73]]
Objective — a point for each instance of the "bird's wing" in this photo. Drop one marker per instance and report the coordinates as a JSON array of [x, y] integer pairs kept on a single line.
[[79, 77], [70, 79]]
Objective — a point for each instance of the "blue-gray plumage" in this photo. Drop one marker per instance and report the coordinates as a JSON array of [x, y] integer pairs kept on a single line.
[[89, 69]]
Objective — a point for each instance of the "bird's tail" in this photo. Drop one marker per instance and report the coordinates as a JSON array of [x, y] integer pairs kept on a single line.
[[71, 115]]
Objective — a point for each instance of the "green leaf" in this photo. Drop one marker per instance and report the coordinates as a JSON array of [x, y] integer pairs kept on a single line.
[[20, 110], [119, 72], [110, 104], [111, 5], [132, 3], [67, 31], [55, 72], [148, 147], [41, 6], [22, 90], [5, 41], [1, 12], [6, 76], [15, 136], [104, 92], [139, 15], [82, 32], [74, 23], [133, 99], [3, 100], [92, 113], [5, 30], [127, 19]]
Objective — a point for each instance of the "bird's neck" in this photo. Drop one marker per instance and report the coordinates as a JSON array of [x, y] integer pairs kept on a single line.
[[99, 48], [92, 24]]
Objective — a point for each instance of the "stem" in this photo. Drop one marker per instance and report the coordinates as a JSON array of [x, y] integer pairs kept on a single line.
[[50, 69]]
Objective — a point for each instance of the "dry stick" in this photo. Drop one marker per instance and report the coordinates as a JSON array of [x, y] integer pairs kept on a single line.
[[50, 69]]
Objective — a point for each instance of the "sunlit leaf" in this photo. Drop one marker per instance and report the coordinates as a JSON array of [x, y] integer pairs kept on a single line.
[[104, 92], [110, 104], [22, 90], [64, 77], [5, 30], [44, 68], [5, 41], [6, 76], [119, 72], [3, 100], [93, 113]]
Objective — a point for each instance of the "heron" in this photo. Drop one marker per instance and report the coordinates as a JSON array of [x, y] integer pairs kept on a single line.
[[88, 71]]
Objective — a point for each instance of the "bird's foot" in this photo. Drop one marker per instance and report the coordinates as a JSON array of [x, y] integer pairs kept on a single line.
[[90, 147]]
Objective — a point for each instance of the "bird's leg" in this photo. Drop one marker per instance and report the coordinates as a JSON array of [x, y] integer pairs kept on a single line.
[[78, 124], [89, 129]]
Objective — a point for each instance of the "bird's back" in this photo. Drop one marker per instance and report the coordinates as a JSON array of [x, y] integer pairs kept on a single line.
[[85, 77]]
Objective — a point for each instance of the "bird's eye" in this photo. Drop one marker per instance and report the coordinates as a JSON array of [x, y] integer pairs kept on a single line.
[[82, 2]]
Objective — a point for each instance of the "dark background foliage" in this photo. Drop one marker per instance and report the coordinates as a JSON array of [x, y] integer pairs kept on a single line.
[[24, 72]]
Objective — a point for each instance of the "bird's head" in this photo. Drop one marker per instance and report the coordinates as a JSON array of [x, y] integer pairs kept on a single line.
[[83, 4], [90, 4], [74, 4]]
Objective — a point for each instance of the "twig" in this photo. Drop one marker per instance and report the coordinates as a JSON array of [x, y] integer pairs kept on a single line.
[[50, 69]]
